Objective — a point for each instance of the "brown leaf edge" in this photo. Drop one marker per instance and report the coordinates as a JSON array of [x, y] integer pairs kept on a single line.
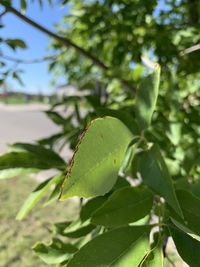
[[74, 154]]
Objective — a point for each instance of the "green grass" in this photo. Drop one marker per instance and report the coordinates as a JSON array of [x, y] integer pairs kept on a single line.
[[17, 238]]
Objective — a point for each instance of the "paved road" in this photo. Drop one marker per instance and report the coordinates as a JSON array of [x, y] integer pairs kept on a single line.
[[23, 124]]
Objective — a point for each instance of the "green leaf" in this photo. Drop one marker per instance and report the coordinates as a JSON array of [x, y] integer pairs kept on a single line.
[[187, 247], [91, 206], [74, 229], [155, 175], [97, 159], [51, 140], [54, 194], [184, 228], [58, 228], [195, 187], [121, 182], [154, 258], [17, 77], [45, 155], [78, 229], [122, 115], [146, 98], [36, 195], [14, 43], [56, 117], [182, 184], [190, 206], [123, 207], [25, 160], [128, 158], [54, 253], [23, 5], [124, 246]]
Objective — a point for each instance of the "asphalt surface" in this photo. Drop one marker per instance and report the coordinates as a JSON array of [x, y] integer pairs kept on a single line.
[[23, 124]]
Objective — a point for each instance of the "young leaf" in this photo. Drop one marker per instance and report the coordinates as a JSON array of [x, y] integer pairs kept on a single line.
[[124, 206], [97, 159], [155, 175], [146, 98], [54, 253], [36, 195], [187, 247], [124, 246]]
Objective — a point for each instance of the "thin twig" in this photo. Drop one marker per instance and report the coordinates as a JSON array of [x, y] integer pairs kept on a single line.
[[190, 49], [30, 61], [67, 42]]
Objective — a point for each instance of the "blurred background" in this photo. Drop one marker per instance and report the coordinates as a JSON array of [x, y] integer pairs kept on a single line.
[[71, 61]]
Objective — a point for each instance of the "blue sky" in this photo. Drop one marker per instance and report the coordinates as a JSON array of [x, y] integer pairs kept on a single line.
[[35, 76]]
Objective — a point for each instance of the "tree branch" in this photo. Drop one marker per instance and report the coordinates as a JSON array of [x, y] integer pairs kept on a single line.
[[3, 13], [190, 49], [66, 42]]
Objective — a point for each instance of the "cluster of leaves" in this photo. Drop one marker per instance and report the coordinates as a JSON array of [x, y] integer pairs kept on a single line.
[[115, 30], [116, 221], [136, 165], [8, 71]]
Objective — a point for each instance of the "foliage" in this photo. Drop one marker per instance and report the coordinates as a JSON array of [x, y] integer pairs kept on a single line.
[[137, 165]]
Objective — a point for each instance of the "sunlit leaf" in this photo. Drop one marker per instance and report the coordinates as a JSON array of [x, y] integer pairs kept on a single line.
[[146, 98], [120, 247], [97, 159], [154, 258], [36, 195]]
